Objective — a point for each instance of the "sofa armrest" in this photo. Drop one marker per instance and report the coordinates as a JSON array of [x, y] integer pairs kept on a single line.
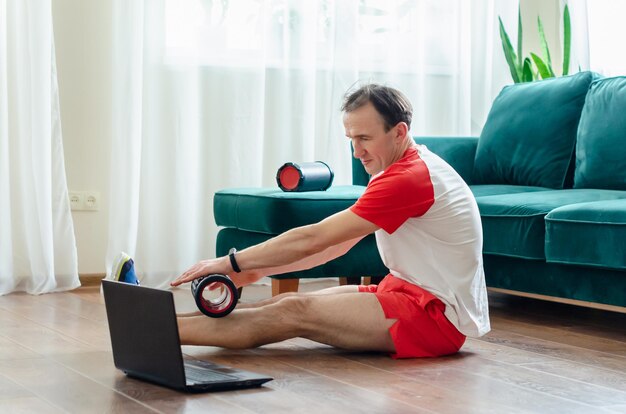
[[359, 175], [459, 152]]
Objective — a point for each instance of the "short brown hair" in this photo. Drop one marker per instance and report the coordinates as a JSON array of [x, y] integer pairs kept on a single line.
[[390, 103]]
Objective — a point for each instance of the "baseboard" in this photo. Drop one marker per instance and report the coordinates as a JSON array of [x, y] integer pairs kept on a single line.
[[91, 279], [594, 305]]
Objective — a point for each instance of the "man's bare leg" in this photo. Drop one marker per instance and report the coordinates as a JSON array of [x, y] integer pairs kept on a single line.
[[264, 302], [352, 321], [189, 314], [327, 291]]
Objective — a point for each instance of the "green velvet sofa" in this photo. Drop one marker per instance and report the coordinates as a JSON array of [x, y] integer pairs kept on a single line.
[[549, 176]]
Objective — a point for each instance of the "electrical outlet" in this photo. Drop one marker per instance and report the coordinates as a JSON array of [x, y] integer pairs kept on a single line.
[[91, 200], [84, 200], [76, 200]]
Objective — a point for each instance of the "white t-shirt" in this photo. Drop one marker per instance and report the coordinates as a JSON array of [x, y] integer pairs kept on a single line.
[[430, 234]]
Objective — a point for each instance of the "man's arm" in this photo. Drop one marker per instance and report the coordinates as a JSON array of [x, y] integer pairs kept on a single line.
[[302, 242], [296, 249], [311, 261]]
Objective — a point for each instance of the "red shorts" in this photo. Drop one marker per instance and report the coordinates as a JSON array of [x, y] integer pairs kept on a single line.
[[421, 329]]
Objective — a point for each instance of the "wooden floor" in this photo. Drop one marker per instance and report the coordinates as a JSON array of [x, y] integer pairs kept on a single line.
[[540, 357]]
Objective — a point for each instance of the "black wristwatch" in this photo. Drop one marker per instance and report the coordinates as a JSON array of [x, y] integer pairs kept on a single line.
[[233, 261]]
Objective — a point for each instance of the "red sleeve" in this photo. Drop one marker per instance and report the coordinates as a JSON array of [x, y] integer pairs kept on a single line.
[[395, 196]]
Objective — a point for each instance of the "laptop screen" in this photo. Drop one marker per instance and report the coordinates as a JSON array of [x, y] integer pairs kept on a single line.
[[144, 333]]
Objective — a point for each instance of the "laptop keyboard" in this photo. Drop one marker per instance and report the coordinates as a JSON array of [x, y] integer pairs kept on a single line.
[[194, 374]]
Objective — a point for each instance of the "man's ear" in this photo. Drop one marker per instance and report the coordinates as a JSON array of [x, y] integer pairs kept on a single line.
[[402, 129]]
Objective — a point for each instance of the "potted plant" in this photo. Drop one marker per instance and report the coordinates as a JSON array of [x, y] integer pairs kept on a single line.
[[528, 69]]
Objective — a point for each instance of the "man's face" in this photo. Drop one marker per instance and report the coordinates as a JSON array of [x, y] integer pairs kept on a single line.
[[375, 148]]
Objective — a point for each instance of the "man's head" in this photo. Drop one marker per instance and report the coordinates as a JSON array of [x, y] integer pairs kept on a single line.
[[390, 103], [377, 120]]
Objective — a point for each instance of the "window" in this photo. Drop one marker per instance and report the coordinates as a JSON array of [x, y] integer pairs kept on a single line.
[[296, 33], [606, 36]]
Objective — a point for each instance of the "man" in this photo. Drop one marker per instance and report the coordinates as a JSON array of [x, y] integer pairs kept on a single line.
[[428, 233]]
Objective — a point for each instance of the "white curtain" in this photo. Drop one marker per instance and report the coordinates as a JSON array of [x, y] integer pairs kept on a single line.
[[210, 94], [598, 35], [37, 245], [579, 58]]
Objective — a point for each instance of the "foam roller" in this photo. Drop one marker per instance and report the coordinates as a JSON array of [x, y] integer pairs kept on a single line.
[[306, 176], [215, 303]]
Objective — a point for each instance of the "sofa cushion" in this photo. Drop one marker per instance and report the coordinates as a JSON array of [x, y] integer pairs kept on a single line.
[[601, 145], [530, 133], [513, 224], [273, 211], [459, 152], [482, 190], [591, 234]]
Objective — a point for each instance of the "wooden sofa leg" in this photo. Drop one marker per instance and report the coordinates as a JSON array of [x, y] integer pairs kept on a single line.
[[372, 280], [353, 280], [284, 285]]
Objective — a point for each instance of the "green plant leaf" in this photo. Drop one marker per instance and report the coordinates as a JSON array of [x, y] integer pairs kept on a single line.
[[509, 54], [545, 50], [567, 39], [528, 74], [519, 36], [542, 67]]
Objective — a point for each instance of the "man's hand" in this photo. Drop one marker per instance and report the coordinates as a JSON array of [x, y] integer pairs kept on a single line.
[[202, 268], [220, 265]]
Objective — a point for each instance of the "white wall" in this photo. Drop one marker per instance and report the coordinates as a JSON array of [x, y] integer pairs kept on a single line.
[[83, 37], [83, 40]]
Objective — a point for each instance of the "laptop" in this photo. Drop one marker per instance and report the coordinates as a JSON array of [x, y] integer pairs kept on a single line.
[[146, 345]]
